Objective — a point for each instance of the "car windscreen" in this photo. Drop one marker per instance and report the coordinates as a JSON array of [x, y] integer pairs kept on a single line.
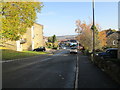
[[74, 48], [112, 51]]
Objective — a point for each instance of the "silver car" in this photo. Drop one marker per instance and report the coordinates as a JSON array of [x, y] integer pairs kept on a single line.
[[73, 50]]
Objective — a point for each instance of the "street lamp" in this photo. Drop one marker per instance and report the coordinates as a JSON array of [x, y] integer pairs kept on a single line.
[[93, 28], [119, 30]]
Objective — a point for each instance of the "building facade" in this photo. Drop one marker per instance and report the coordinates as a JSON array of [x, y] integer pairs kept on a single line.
[[119, 44], [33, 38], [119, 29], [112, 40]]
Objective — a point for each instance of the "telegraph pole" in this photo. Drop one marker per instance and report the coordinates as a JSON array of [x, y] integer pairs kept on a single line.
[[93, 31], [119, 30]]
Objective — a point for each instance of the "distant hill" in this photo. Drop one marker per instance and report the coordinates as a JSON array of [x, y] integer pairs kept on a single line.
[[66, 37]]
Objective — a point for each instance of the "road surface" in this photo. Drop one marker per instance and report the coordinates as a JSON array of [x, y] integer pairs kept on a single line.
[[56, 71]]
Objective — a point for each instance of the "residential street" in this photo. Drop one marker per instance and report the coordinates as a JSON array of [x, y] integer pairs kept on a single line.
[[70, 44], [90, 76], [56, 71]]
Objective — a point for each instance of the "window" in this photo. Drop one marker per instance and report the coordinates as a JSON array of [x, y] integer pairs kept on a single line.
[[113, 42]]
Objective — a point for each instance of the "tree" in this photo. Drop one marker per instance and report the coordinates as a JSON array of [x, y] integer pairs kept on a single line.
[[49, 39], [103, 39], [54, 39], [85, 35], [17, 17], [106, 37]]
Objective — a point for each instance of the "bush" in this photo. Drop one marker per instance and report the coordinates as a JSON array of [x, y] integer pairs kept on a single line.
[[54, 48], [49, 46], [85, 52]]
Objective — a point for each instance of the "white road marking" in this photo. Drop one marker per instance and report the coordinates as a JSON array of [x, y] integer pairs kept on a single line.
[[23, 66], [60, 54], [77, 73], [28, 58], [60, 75], [18, 59], [45, 59]]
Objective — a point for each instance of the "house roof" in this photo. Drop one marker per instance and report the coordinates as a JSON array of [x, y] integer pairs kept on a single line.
[[114, 33]]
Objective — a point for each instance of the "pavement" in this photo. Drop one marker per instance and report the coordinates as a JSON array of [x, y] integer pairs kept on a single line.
[[56, 71], [90, 76]]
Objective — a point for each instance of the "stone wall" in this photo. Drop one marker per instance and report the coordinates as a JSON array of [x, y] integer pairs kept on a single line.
[[111, 67]]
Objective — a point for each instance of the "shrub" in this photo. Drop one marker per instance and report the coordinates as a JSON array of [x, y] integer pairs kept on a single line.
[[54, 48]]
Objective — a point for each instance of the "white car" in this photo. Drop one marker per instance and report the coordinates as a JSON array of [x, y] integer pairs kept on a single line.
[[73, 50], [64, 47]]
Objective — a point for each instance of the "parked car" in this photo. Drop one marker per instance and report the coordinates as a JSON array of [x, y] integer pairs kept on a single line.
[[109, 53], [40, 49], [64, 47], [73, 50]]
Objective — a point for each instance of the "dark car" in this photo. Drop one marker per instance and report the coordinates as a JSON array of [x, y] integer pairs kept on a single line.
[[109, 53], [40, 49]]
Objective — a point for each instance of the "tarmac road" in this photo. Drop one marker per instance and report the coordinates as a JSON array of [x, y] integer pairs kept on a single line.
[[56, 71]]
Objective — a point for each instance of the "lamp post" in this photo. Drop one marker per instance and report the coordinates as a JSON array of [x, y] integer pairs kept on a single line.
[[93, 28], [119, 30]]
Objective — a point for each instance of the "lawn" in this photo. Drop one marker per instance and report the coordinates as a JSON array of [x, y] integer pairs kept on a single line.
[[8, 54]]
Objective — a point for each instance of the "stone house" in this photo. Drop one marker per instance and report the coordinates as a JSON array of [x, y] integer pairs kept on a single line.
[[112, 40], [119, 44], [33, 38]]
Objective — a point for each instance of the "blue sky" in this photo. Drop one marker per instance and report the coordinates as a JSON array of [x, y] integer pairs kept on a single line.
[[59, 17]]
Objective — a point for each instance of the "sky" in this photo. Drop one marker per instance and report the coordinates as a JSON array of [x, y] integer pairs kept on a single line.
[[59, 17], [119, 15]]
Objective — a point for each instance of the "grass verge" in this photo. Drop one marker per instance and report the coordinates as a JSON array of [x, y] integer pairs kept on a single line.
[[8, 54]]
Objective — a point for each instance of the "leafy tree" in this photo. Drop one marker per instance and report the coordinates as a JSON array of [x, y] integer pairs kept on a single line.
[[54, 39], [102, 38], [85, 35], [49, 39], [17, 17], [106, 37]]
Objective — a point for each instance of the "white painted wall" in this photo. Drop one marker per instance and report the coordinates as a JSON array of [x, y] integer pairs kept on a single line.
[[32, 32], [32, 45], [19, 46]]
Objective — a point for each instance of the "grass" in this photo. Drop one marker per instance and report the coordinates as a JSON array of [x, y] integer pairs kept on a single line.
[[3, 47], [8, 54]]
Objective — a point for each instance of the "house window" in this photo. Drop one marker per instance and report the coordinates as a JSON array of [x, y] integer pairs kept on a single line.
[[113, 42]]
